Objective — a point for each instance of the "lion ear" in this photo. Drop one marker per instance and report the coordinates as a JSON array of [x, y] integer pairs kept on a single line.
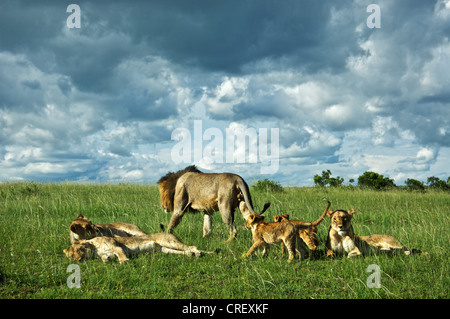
[[285, 216], [351, 212], [251, 218], [277, 218], [330, 212]]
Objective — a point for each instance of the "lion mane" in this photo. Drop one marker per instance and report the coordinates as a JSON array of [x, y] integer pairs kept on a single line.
[[167, 185]]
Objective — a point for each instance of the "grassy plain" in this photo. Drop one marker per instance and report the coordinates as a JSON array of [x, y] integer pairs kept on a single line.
[[34, 220]]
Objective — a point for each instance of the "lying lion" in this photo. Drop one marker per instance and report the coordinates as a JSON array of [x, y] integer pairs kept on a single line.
[[342, 239], [108, 248], [83, 229], [307, 236]]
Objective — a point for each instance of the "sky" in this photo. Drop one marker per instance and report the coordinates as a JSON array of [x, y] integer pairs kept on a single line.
[[141, 88]]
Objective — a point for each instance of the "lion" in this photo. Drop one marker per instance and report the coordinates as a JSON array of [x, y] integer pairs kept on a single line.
[[307, 236], [82, 228], [264, 234], [108, 248], [382, 242], [245, 211], [195, 191], [167, 186], [342, 239]]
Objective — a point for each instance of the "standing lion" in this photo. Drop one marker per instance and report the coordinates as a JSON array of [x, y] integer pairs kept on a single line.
[[192, 190]]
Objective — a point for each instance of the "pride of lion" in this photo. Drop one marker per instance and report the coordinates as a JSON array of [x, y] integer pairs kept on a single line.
[[190, 190]]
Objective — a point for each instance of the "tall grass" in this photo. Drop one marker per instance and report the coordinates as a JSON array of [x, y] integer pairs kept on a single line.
[[34, 220]]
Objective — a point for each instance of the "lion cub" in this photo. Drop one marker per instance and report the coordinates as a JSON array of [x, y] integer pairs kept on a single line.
[[82, 228], [108, 248], [305, 236], [342, 239], [264, 234], [308, 235]]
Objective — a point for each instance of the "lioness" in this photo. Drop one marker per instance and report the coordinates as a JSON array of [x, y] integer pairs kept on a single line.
[[342, 239], [107, 248], [307, 236], [82, 228], [192, 190]]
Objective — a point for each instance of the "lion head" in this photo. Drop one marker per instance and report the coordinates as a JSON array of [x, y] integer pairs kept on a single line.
[[309, 235], [83, 228], [79, 251], [167, 185], [244, 208], [341, 220], [252, 220]]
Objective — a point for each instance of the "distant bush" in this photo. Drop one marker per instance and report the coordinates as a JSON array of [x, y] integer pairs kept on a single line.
[[436, 183], [326, 179], [414, 185], [375, 180], [266, 185]]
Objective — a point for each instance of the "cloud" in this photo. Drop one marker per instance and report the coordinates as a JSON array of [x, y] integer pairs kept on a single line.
[[423, 160], [101, 102]]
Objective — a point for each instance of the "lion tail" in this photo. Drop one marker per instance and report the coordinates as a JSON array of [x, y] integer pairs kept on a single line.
[[246, 193], [306, 225], [320, 219]]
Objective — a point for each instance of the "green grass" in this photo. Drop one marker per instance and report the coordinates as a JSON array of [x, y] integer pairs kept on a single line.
[[34, 221]]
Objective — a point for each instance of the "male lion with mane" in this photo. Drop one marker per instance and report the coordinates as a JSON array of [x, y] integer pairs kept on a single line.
[[192, 190]]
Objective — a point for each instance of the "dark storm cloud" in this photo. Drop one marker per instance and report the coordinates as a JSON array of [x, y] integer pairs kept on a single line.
[[224, 36], [216, 35]]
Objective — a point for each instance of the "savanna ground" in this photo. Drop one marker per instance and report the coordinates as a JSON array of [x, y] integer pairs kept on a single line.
[[34, 221]]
